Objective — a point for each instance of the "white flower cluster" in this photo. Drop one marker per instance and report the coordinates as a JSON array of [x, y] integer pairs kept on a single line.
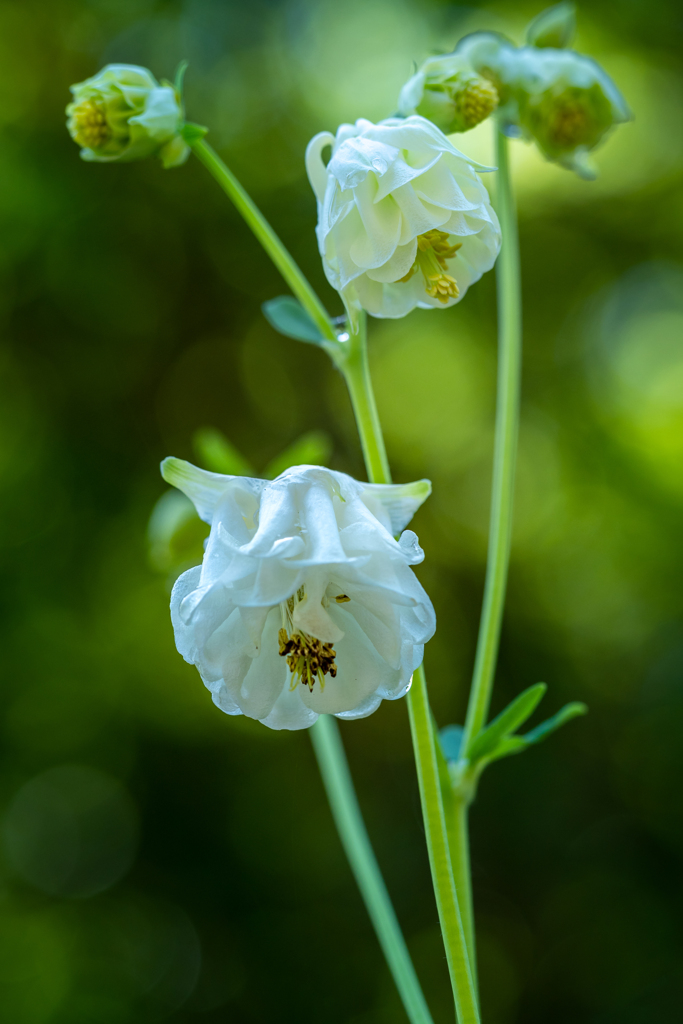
[[305, 603]]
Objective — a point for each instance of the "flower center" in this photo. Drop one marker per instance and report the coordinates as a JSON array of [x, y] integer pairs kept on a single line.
[[432, 253], [308, 658], [89, 124], [568, 124]]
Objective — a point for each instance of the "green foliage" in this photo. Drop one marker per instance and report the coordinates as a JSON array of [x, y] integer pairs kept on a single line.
[[287, 316], [514, 715], [312, 449], [217, 453]]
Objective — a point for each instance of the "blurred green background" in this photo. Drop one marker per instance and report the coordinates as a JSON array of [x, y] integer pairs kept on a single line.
[[163, 861]]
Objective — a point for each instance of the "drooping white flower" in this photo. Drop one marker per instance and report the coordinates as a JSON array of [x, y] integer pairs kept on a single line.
[[304, 604], [403, 219]]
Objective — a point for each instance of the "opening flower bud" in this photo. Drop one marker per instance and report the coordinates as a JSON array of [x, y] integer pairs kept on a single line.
[[449, 93], [123, 113], [566, 104]]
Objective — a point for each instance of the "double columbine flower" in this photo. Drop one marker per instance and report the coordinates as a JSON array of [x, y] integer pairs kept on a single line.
[[448, 92], [305, 604], [403, 219], [123, 113]]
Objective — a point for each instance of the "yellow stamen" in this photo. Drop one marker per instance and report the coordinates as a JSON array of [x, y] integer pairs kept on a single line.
[[433, 252], [89, 124], [308, 658]]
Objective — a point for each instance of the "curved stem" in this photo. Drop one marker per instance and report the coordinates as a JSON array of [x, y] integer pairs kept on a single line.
[[266, 236], [505, 450], [336, 777], [351, 357], [356, 369], [424, 745]]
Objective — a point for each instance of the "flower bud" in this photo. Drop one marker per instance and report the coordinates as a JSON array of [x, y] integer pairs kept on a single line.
[[566, 104], [449, 93], [555, 27], [123, 113]]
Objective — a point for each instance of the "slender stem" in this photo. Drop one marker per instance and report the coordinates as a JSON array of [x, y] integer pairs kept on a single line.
[[505, 450], [356, 370], [266, 236], [424, 745], [346, 812], [351, 356], [459, 844]]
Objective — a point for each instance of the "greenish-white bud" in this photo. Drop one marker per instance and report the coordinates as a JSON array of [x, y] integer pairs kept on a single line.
[[123, 113], [449, 93], [566, 104], [555, 27]]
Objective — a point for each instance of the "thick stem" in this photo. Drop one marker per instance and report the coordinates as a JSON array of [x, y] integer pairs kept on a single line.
[[424, 746], [505, 450], [346, 812], [356, 370], [266, 236], [459, 844]]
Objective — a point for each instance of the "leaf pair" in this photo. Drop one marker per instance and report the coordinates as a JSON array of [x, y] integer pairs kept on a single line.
[[498, 739]]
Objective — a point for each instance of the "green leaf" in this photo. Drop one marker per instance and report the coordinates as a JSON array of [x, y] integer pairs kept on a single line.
[[450, 738], [507, 746], [555, 27], [312, 449], [565, 714], [514, 715], [289, 317], [218, 454], [193, 132]]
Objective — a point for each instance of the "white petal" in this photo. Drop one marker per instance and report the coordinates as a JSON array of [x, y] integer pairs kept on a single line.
[[397, 502], [204, 489]]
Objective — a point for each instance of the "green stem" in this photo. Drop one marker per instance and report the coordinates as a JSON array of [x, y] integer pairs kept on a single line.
[[346, 812], [266, 236], [505, 450], [351, 356], [424, 745], [356, 369], [459, 844]]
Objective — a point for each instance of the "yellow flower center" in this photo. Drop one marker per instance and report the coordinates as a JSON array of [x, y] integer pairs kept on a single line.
[[433, 251], [568, 124], [477, 101], [308, 658], [89, 124]]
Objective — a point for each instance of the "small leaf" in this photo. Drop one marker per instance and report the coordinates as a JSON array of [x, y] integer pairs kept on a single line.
[[450, 738], [312, 449], [218, 454], [565, 714], [514, 715], [289, 317], [555, 27]]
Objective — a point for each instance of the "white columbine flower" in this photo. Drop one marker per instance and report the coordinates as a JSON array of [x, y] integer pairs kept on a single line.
[[403, 219], [305, 604]]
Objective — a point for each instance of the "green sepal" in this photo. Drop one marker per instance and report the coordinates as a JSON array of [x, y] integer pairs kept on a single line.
[[312, 449], [289, 317], [555, 27], [193, 132], [514, 715], [218, 454]]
